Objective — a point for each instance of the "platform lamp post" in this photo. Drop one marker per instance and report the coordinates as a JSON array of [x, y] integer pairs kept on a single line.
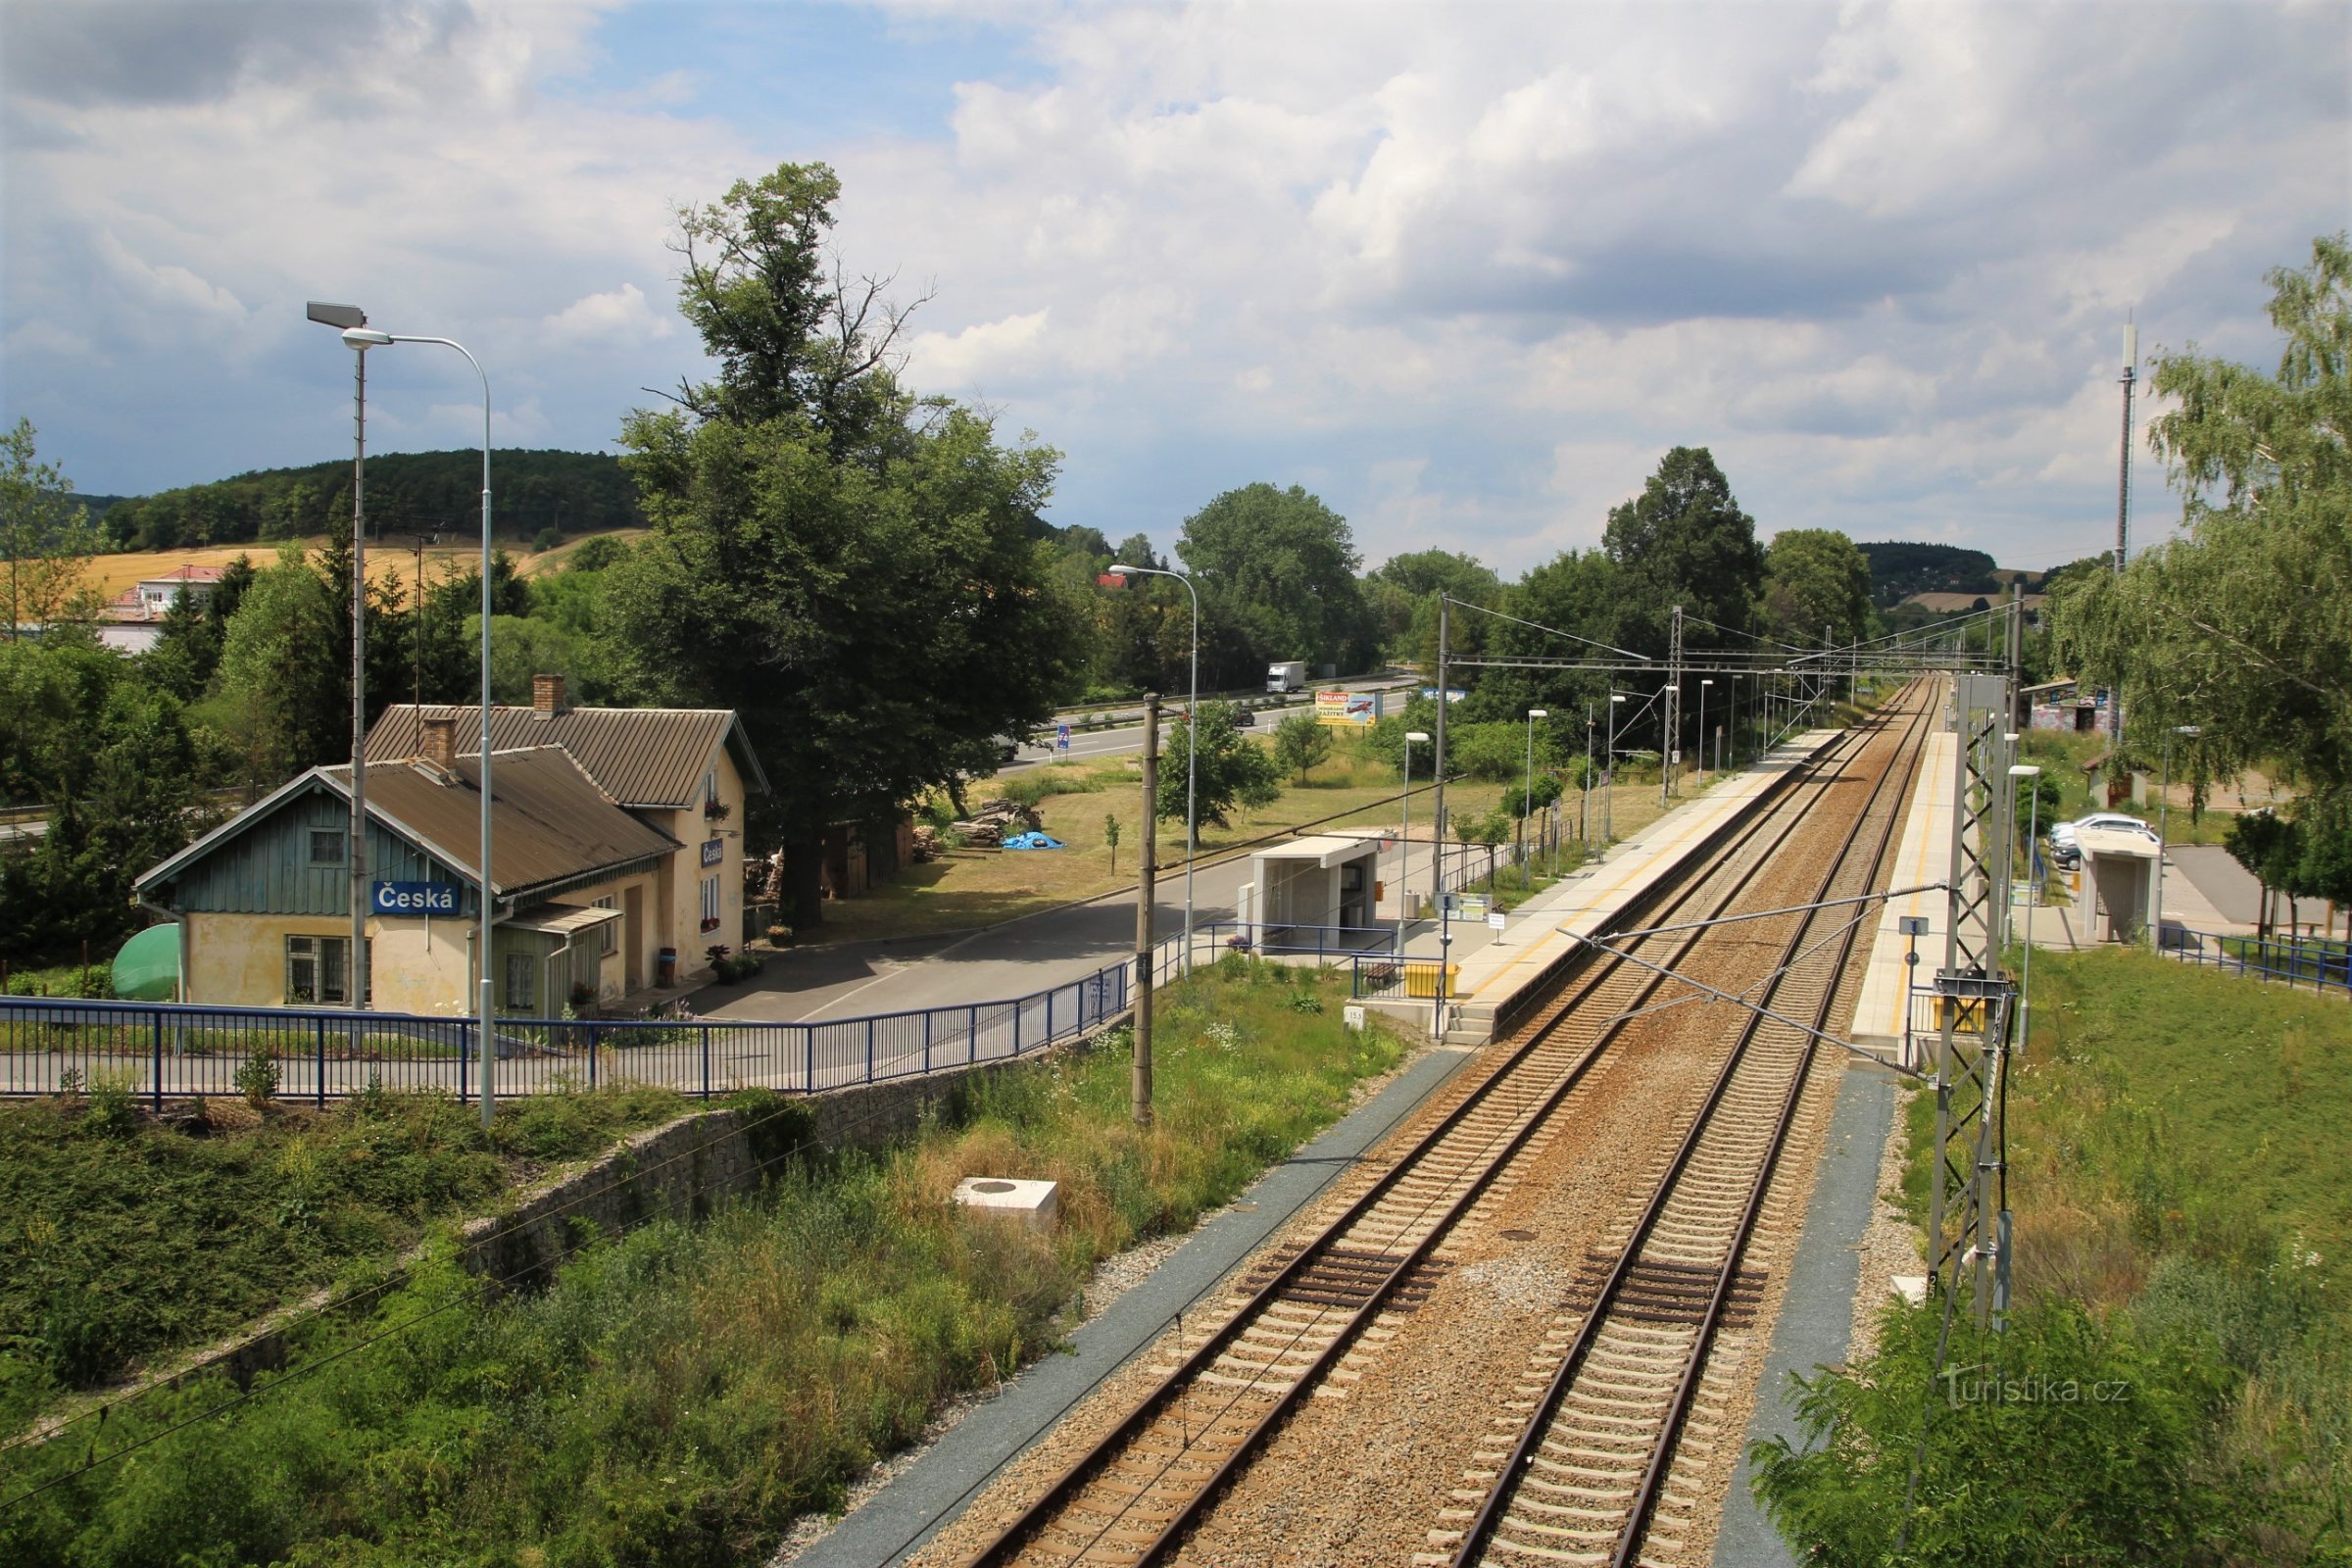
[[2025, 987], [1192, 746], [1703, 733], [348, 318], [1404, 846], [2164, 801], [361, 336], [1608, 779], [1527, 798]]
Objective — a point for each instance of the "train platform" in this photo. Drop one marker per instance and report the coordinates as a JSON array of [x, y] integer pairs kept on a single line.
[[1922, 856], [1548, 926]]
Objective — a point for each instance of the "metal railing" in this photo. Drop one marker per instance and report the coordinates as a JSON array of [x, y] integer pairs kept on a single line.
[[1323, 942], [2323, 966], [177, 1051]]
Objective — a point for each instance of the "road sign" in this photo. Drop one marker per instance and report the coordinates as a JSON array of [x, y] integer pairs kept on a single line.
[[1061, 737], [1453, 694]]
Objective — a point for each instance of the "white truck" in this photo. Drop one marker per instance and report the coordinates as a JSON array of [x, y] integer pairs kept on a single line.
[[1287, 677]]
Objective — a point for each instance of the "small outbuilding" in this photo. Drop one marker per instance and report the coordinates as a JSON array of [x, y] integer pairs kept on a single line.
[[2119, 869], [1325, 884]]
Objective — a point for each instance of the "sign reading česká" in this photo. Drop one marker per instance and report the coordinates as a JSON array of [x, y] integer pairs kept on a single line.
[[416, 898]]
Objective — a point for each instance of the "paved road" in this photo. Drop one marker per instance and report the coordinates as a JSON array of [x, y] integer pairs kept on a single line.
[[2232, 888], [1019, 956], [1085, 745]]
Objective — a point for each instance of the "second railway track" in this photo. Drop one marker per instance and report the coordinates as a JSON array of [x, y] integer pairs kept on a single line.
[[1133, 1495]]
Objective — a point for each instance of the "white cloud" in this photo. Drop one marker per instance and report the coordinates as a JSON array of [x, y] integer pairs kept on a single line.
[[1467, 271], [616, 316]]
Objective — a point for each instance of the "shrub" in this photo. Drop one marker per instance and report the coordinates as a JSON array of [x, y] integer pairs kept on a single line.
[[112, 1111], [258, 1079]]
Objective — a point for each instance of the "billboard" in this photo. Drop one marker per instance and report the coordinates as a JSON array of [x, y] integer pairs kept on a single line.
[[1341, 708]]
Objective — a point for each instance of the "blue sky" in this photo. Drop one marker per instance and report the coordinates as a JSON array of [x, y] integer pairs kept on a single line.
[[1465, 272]]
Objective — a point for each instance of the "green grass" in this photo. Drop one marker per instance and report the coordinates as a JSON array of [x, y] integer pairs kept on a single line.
[[2176, 1144], [681, 1393], [122, 1240]]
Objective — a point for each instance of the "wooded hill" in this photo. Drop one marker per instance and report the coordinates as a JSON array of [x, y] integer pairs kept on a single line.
[[407, 492], [1899, 569]]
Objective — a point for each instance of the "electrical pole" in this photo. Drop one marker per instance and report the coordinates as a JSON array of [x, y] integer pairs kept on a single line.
[[1141, 1089], [1669, 723], [2123, 506], [1438, 843]]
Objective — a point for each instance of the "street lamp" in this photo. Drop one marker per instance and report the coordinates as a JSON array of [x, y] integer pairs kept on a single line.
[[1192, 745], [1608, 779], [1583, 827], [2164, 801], [359, 336], [350, 320], [1404, 846], [1702, 734], [2024, 991], [1526, 798]]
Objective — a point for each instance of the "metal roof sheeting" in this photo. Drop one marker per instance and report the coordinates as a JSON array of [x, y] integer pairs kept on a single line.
[[550, 824], [648, 757]]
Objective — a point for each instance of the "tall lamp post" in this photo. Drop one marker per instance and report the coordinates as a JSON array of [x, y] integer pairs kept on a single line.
[[1405, 847], [349, 318], [2025, 988], [1703, 733], [1608, 779], [1583, 827], [363, 337], [1527, 798], [1192, 745], [2164, 802]]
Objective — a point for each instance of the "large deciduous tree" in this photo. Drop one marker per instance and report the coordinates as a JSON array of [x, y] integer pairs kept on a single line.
[[1277, 566], [2239, 623], [1234, 771], [1816, 582], [1684, 540], [855, 572]]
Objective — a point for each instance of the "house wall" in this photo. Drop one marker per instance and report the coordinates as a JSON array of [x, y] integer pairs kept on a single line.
[[681, 895], [267, 868]]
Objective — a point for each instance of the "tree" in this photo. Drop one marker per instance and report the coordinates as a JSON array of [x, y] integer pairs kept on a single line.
[[282, 696], [1815, 580], [2239, 623], [1234, 771], [861, 575], [1300, 740], [1278, 568], [1684, 540], [1579, 593], [46, 540]]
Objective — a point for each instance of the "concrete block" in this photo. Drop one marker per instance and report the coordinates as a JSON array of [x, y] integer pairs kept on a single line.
[[1912, 1288], [1035, 1204]]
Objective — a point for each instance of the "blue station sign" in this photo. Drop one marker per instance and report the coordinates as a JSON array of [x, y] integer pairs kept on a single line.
[[416, 898]]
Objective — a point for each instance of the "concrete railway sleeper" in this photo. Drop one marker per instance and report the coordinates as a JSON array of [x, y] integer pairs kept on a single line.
[[1585, 1479], [1135, 1493]]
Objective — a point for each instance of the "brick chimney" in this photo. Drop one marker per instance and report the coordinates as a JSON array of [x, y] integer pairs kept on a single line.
[[440, 744], [546, 695]]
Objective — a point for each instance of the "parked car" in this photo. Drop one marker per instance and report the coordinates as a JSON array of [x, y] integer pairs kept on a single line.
[[2067, 849]]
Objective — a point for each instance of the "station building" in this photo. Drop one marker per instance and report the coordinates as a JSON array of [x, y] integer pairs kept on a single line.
[[618, 847]]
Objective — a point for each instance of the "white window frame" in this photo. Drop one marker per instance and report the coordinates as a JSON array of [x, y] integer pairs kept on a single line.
[[608, 933], [523, 968], [711, 908], [326, 957]]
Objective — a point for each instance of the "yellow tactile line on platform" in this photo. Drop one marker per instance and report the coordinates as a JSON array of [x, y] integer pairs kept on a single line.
[[1695, 826], [1926, 800]]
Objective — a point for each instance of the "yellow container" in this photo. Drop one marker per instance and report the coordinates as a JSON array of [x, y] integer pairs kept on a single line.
[[1421, 979]]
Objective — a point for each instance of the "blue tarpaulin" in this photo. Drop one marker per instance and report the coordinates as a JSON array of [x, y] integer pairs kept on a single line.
[[1034, 841]]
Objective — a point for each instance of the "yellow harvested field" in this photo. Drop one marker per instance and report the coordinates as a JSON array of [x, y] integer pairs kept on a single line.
[[386, 558]]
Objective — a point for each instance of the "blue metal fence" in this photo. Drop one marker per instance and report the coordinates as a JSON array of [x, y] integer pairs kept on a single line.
[[2324, 967], [171, 1050]]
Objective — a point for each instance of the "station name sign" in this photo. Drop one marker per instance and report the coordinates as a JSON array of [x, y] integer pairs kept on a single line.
[[416, 898]]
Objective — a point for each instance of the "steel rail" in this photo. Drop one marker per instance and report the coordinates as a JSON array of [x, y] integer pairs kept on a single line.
[[1817, 771], [1536, 1428]]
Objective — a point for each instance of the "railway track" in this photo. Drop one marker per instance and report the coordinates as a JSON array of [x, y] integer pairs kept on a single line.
[[1586, 1477], [1136, 1492]]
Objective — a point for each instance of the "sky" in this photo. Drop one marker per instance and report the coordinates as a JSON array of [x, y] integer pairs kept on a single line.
[[1466, 271]]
